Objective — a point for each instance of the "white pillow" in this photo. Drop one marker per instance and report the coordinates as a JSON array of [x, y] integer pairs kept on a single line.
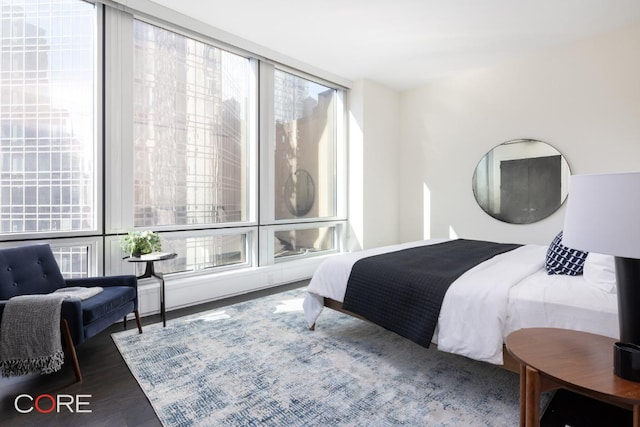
[[599, 271]]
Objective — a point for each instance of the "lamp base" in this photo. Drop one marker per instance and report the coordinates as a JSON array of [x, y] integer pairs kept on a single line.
[[628, 279], [626, 361], [626, 353]]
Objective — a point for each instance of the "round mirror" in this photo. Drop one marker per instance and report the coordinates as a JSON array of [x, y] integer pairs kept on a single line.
[[521, 181]]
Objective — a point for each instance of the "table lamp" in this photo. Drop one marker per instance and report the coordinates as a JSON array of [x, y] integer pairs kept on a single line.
[[603, 216]]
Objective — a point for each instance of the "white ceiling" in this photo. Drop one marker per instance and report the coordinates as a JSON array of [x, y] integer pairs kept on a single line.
[[405, 43]]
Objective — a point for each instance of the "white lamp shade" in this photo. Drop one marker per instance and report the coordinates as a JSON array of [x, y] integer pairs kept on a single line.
[[603, 214]]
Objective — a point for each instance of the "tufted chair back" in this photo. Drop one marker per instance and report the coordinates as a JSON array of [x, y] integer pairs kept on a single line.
[[28, 270]]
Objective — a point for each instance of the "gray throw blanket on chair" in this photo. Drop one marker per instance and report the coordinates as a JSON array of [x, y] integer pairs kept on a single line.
[[30, 335]]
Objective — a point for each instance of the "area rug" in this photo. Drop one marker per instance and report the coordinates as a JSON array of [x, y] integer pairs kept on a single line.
[[256, 363]]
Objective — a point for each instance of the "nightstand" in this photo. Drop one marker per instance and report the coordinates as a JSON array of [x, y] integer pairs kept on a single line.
[[578, 361]]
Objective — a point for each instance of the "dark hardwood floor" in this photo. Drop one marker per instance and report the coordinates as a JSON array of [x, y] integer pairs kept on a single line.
[[116, 400]]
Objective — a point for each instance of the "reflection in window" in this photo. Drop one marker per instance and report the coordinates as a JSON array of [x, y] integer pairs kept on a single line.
[[304, 241], [47, 108], [305, 114], [190, 130], [199, 253], [73, 261]]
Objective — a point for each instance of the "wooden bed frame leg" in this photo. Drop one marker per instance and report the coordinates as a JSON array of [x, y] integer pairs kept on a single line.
[[71, 349]]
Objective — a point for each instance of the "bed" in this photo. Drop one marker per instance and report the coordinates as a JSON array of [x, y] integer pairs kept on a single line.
[[507, 292]]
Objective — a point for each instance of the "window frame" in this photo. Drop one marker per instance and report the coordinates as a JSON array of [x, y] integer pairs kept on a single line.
[[98, 155], [250, 127], [267, 240], [268, 139], [94, 244], [249, 247], [113, 163], [120, 219], [118, 179]]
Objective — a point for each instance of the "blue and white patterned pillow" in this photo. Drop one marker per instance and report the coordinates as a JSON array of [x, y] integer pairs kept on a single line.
[[564, 260]]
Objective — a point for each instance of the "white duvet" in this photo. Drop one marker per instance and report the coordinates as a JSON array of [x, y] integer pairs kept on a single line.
[[476, 316]]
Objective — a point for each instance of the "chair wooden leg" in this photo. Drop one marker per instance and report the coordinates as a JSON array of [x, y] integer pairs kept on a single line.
[[124, 322], [138, 320], [71, 349]]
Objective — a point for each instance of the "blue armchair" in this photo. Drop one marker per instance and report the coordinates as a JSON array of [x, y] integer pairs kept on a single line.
[[33, 269]]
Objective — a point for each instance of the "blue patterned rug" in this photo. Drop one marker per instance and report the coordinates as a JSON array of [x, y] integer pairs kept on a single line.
[[256, 363]]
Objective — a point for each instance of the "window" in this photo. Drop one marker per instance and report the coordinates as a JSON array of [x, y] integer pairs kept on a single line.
[[180, 118], [304, 241], [305, 148], [76, 257], [302, 168], [204, 251], [48, 177], [73, 261], [191, 136]]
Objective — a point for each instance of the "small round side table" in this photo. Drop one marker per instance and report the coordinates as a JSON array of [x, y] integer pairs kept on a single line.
[[150, 271]]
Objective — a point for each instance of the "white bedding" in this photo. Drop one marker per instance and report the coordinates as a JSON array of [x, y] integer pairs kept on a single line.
[[564, 302], [506, 293]]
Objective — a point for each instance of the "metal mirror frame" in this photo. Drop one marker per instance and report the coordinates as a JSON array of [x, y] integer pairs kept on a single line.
[[536, 179]]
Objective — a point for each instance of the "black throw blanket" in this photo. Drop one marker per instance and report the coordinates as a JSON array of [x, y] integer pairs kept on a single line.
[[403, 291]]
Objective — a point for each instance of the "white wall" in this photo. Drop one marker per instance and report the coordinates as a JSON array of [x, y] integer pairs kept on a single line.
[[584, 99], [373, 165]]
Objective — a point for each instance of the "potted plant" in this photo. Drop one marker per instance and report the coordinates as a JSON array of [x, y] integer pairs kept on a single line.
[[138, 243]]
